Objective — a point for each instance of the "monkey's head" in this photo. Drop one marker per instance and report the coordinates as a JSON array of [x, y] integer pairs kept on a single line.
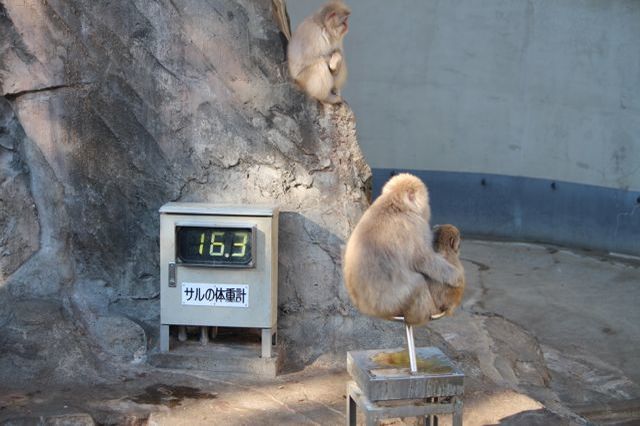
[[408, 191], [335, 18], [446, 238]]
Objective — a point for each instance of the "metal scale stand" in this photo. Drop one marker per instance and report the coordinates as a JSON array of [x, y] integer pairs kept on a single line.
[[431, 386]]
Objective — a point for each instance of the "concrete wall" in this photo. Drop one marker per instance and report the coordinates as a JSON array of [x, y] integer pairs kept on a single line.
[[541, 89]]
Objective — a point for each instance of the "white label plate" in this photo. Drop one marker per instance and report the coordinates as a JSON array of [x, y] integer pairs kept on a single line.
[[204, 294]]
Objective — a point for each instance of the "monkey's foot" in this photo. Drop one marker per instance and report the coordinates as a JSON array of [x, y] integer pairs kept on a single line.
[[333, 98], [438, 316]]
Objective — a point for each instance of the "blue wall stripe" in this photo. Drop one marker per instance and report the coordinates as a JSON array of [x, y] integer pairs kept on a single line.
[[529, 209]]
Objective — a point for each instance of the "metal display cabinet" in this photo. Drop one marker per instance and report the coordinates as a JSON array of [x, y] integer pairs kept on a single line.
[[219, 268]]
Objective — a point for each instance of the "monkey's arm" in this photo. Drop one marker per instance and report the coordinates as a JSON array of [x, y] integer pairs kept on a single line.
[[311, 66], [436, 267], [335, 60]]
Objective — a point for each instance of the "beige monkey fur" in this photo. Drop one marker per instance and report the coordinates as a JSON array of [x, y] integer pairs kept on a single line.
[[389, 258], [315, 53], [446, 241]]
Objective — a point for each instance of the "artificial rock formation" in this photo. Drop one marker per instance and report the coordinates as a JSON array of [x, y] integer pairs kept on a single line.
[[109, 110]]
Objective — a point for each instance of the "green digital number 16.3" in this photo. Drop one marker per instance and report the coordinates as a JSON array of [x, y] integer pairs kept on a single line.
[[217, 244]]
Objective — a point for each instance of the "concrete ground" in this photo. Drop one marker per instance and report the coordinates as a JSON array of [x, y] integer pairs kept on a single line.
[[546, 336]]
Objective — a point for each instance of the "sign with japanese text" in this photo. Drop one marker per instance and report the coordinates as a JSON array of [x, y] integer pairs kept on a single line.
[[227, 295]]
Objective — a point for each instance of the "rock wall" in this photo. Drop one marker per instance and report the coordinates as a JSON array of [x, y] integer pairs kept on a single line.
[[109, 110]]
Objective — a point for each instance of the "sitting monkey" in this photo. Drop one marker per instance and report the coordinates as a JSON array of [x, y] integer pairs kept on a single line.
[[315, 53], [446, 241], [389, 258]]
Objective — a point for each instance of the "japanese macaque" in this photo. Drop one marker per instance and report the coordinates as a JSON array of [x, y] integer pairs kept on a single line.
[[315, 53], [446, 241], [389, 259]]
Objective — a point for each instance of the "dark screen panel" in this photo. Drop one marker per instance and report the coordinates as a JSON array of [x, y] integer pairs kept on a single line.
[[214, 246]]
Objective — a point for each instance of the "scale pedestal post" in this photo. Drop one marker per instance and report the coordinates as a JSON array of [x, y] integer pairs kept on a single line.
[[383, 386]]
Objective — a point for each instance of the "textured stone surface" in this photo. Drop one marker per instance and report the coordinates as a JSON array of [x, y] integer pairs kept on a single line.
[[110, 109], [19, 227]]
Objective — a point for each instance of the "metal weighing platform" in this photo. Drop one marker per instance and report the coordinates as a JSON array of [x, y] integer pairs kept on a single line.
[[384, 386]]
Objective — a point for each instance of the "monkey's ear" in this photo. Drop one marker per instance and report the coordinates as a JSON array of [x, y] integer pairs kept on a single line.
[[453, 243], [411, 195]]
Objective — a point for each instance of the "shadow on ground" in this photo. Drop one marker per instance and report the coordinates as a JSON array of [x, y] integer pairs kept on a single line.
[[544, 336]]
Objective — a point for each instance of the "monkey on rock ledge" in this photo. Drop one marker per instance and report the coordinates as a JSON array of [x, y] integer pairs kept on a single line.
[[316, 54]]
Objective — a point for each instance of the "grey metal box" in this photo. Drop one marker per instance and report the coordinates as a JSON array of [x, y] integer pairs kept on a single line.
[[261, 277]]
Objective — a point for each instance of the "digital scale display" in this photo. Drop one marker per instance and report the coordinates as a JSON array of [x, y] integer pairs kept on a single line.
[[218, 268], [215, 246]]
